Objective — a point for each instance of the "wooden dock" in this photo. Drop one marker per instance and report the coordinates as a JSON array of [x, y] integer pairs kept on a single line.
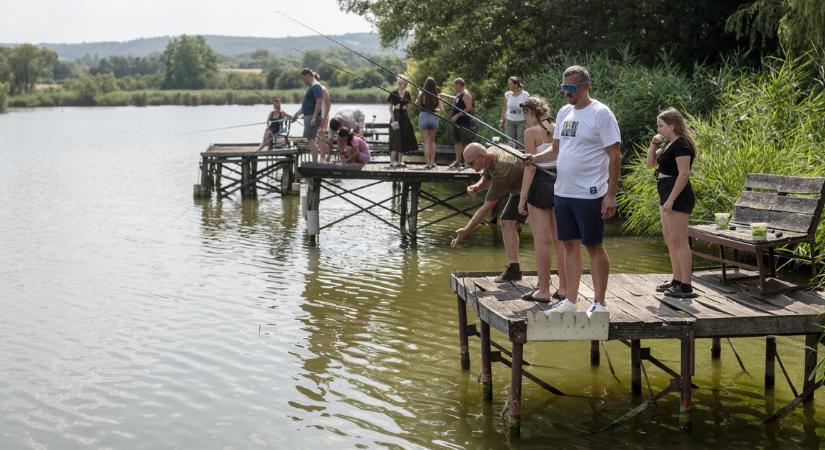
[[407, 183], [638, 312]]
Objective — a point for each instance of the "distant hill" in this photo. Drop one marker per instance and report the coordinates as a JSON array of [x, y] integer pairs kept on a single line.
[[226, 45]]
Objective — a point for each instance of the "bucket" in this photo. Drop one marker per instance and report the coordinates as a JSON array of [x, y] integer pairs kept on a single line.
[[759, 230], [722, 220]]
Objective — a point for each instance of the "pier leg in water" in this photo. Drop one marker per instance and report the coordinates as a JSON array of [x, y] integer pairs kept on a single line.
[[770, 362], [811, 347], [412, 221], [514, 418], [464, 349], [715, 349], [594, 354], [685, 403], [636, 367], [313, 204], [405, 193], [486, 369]]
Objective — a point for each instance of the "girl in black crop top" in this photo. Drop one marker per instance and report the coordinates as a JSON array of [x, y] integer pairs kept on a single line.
[[676, 196]]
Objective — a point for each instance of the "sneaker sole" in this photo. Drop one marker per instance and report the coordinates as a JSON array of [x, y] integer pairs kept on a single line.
[[681, 295]]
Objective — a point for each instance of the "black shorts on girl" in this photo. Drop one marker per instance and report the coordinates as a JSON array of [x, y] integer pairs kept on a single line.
[[541, 194], [684, 202]]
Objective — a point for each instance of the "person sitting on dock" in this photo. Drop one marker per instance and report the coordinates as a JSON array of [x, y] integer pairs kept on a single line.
[[352, 118], [274, 123], [355, 148], [502, 174]]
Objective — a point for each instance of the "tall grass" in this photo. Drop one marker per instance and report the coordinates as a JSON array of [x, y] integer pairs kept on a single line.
[[771, 121], [151, 97], [4, 96]]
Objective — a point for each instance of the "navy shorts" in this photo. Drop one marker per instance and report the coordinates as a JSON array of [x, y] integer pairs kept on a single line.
[[579, 219]]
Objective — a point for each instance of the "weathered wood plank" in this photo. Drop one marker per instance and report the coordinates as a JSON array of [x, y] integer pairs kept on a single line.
[[785, 183], [774, 202]]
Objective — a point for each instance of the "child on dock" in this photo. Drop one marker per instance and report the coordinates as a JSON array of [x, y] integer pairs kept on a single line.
[[355, 147]]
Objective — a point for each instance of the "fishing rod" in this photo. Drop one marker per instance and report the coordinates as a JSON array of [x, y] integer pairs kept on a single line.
[[421, 88], [521, 156]]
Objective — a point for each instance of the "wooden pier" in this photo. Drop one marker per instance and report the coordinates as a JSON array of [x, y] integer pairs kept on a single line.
[[637, 313], [228, 168], [410, 192]]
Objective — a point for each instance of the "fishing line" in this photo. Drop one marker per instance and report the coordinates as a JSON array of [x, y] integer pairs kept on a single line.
[[490, 127], [487, 140]]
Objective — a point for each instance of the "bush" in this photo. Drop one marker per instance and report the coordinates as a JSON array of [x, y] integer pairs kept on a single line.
[[772, 121], [635, 93], [4, 96]]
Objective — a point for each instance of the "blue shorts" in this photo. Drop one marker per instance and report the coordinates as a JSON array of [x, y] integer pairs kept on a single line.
[[427, 121], [579, 219]]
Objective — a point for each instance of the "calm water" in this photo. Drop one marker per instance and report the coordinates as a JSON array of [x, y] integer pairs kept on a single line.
[[133, 317]]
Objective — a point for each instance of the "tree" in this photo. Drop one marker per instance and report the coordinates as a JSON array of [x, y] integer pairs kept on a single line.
[[798, 25], [189, 63], [27, 64], [487, 44]]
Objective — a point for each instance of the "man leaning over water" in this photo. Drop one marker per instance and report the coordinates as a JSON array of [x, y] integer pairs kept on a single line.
[[586, 148], [502, 174]]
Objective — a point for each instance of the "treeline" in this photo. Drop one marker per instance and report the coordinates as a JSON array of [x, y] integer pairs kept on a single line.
[[33, 76]]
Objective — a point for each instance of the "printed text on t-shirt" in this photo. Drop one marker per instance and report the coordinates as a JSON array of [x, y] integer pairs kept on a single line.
[[569, 128]]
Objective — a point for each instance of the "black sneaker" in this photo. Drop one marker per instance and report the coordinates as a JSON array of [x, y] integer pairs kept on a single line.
[[665, 287], [680, 291], [511, 273]]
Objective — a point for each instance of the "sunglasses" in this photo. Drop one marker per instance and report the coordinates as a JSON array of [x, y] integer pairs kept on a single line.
[[571, 88]]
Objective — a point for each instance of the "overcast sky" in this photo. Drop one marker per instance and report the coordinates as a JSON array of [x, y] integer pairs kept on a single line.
[[64, 21]]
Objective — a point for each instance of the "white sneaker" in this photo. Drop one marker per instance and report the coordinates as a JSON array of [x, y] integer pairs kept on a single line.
[[562, 307], [595, 307]]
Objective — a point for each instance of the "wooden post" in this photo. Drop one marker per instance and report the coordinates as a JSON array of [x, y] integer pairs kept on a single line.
[[594, 354], [218, 177], [486, 370], [685, 375], [811, 344], [636, 367], [514, 419], [313, 205], [415, 189], [716, 349], [205, 188], [405, 193], [245, 175], [464, 348], [770, 362]]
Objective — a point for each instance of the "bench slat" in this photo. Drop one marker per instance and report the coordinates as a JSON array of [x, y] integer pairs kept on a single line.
[[776, 220], [783, 183], [775, 202]]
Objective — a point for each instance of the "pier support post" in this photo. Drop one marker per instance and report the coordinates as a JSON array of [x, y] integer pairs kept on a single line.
[[246, 176], [685, 379], [514, 418], [205, 189], [414, 191], [313, 204], [594, 354], [636, 367], [464, 348], [218, 177], [486, 370], [715, 348], [770, 362], [405, 193], [811, 348]]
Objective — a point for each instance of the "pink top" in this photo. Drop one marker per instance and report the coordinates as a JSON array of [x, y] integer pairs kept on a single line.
[[363, 149]]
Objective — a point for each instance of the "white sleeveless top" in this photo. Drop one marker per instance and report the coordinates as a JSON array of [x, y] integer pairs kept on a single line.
[[541, 148]]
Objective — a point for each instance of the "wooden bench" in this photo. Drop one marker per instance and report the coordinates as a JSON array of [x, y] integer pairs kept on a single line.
[[791, 206]]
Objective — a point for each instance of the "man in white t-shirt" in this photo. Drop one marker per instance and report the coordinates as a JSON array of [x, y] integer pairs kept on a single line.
[[586, 148]]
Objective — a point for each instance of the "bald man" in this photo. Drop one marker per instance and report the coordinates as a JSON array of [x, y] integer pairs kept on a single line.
[[501, 175]]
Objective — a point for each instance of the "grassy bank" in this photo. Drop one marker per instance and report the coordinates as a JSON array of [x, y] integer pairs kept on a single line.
[[771, 121], [152, 97]]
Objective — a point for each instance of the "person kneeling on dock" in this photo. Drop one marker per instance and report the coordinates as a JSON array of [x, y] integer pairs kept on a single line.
[[351, 118], [355, 148], [502, 174]]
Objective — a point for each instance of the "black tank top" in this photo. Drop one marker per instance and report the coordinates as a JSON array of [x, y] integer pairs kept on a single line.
[[458, 107]]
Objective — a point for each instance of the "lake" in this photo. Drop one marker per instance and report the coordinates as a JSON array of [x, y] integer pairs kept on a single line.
[[132, 316]]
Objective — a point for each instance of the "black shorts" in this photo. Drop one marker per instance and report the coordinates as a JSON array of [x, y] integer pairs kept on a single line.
[[684, 202], [540, 194], [510, 210], [461, 133]]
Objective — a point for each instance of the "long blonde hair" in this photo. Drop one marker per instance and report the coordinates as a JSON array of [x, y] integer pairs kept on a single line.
[[539, 107], [672, 116]]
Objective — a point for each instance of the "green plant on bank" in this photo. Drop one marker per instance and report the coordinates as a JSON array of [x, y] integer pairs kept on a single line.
[[4, 96], [90, 94], [772, 121]]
